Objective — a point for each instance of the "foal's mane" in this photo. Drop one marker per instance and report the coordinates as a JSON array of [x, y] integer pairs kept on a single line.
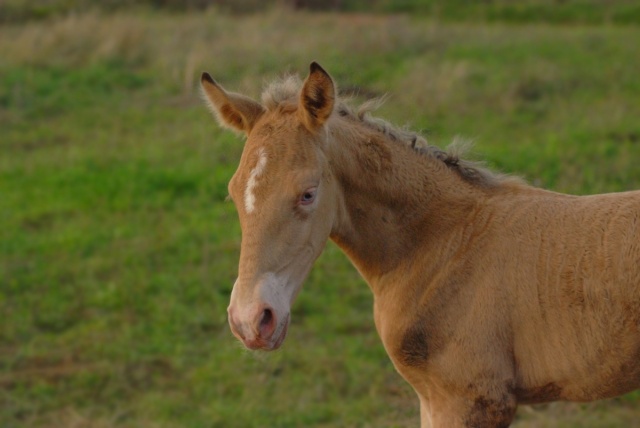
[[284, 93]]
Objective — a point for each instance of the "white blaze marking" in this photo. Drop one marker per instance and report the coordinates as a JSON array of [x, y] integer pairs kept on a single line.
[[249, 197]]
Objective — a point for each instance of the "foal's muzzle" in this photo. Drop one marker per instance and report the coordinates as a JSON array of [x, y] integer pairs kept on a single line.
[[262, 330]]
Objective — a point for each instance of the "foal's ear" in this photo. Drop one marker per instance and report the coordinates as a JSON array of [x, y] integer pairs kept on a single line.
[[232, 110], [317, 97]]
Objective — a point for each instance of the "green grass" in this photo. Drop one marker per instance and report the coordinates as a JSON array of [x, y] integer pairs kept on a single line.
[[118, 250], [620, 12]]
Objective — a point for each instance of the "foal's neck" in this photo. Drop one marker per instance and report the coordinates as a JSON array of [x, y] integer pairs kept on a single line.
[[392, 200]]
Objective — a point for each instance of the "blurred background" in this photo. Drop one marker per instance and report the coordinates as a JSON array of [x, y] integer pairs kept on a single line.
[[118, 250]]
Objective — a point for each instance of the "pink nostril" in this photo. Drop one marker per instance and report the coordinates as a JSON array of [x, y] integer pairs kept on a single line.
[[267, 323]]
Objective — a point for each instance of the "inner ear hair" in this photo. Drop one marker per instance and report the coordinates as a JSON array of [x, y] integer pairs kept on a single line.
[[317, 97]]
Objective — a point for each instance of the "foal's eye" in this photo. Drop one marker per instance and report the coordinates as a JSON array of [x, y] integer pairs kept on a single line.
[[308, 196]]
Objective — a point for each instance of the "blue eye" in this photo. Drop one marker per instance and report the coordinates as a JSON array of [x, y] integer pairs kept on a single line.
[[308, 196]]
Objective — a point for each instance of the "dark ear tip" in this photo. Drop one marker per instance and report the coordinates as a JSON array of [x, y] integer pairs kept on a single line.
[[207, 78], [315, 67]]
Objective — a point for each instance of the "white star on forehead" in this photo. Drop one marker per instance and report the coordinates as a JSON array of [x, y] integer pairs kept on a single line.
[[249, 197]]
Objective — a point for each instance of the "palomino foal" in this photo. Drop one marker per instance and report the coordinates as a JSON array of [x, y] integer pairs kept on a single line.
[[488, 292]]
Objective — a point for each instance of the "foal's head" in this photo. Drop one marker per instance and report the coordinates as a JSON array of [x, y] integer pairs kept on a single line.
[[285, 196]]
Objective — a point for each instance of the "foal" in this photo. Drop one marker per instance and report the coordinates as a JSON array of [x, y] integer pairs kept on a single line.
[[487, 292]]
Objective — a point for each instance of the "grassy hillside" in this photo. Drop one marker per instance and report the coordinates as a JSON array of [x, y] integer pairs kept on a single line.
[[118, 250]]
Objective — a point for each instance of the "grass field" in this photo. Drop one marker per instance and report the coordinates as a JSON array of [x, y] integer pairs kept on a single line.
[[118, 250]]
